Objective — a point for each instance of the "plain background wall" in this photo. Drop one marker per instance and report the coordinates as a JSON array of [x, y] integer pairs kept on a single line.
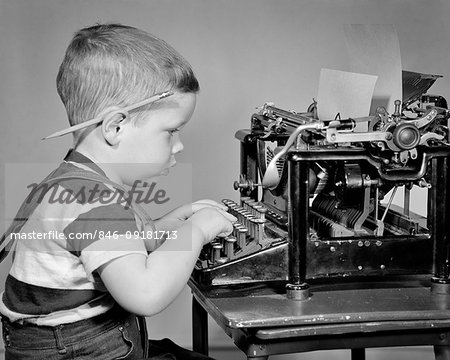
[[244, 52]]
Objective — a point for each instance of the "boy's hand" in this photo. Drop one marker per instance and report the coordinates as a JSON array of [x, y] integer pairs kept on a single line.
[[212, 222], [186, 211], [174, 219]]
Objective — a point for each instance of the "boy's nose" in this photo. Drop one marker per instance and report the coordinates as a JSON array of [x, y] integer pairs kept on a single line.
[[177, 144]]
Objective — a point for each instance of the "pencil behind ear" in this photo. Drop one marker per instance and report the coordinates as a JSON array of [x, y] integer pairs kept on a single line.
[[113, 120], [116, 109]]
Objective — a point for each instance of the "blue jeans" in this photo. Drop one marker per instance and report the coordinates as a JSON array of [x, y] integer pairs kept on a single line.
[[112, 336]]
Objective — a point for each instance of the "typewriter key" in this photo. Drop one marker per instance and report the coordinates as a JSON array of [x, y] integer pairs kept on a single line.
[[229, 247], [217, 248], [242, 237]]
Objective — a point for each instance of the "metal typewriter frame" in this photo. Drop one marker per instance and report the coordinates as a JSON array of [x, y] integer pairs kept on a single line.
[[301, 257], [432, 252]]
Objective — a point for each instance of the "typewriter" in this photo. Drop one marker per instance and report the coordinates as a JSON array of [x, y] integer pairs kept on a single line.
[[316, 197]]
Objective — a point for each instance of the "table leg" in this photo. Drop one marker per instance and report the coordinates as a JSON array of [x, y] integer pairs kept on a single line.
[[199, 328], [442, 352], [358, 354]]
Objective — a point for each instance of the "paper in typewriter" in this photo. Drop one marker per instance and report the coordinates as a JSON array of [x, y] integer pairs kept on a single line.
[[345, 93], [375, 49]]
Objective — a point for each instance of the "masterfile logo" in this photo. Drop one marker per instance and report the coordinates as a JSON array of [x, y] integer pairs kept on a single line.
[[141, 192]]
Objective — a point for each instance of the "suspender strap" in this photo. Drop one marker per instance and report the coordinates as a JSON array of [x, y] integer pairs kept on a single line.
[[144, 334]]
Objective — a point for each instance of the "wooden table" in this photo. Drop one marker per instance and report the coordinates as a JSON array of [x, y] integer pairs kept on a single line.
[[262, 321]]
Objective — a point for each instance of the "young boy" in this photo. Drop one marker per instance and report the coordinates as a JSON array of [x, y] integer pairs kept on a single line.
[[76, 295]]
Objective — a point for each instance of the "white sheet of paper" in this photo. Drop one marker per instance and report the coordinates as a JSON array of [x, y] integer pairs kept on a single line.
[[375, 49], [346, 93]]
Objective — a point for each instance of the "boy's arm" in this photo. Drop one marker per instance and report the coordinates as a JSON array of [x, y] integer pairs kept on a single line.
[[145, 285]]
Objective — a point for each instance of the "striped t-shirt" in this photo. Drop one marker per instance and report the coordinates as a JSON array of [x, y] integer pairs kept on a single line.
[[77, 226]]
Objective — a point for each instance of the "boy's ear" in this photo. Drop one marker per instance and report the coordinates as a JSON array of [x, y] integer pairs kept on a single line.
[[112, 125]]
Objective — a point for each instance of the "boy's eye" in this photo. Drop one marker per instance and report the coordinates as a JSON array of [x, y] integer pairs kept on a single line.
[[173, 131]]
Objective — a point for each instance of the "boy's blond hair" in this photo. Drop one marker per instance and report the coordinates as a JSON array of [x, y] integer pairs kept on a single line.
[[117, 65]]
